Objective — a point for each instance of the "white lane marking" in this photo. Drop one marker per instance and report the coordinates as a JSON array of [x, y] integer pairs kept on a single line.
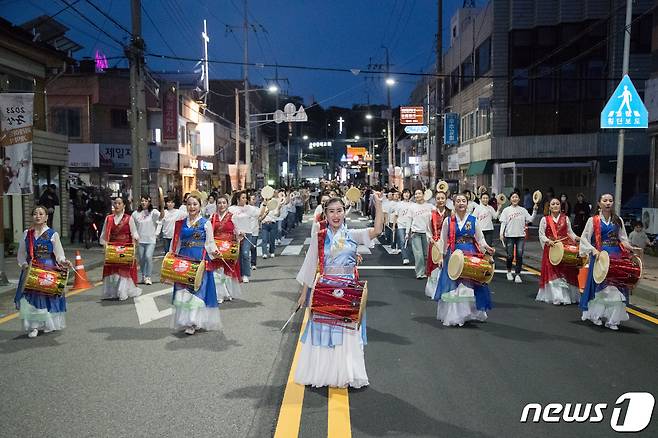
[[362, 249], [285, 241], [147, 310], [502, 271], [373, 268], [292, 250]]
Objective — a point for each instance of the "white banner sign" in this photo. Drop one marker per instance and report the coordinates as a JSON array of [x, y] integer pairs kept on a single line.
[[16, 113], [83, 155], [453, 162]]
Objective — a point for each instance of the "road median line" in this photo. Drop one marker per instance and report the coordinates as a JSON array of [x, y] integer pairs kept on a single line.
[[290, 415], [339, 424]]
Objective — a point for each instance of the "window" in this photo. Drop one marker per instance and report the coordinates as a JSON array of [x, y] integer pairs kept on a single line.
[[119, 118], [482, 121], [544, 84], [520, 86], [467, 127], [483, 58], [66, 121], [641, 34], [467, 73]]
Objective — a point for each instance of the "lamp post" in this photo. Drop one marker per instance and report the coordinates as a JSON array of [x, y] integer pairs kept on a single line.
[[247, 126]]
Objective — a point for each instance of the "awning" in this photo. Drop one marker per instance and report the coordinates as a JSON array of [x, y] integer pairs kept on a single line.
[[481, 167]]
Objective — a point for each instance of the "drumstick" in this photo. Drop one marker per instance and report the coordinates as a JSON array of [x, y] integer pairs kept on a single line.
[[291, 316]]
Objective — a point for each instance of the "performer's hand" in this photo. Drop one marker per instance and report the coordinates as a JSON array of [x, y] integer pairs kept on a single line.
[[502, 240], [577, 239], [551, 242], [595, 252], [301, 302], [216, 253], [440, 264], [24, 265]]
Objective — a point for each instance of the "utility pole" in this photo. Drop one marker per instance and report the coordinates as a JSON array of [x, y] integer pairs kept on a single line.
[[389, 123], [620, 140], [247, 127], [438, 139], [277, 145], [206, 80], [237, 139], [135, 54]]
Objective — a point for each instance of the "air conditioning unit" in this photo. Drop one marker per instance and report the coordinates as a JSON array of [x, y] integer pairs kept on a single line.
[[650, 220]]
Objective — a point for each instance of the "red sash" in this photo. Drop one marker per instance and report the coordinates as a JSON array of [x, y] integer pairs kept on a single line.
[[437, 222], [451, 232], [322, 235], [30, 243]]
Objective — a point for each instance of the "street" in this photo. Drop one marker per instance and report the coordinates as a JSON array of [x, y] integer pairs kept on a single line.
[[119, 370]]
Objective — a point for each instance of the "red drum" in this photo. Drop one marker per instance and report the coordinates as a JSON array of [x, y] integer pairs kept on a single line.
[[339, 301], [625, 272]]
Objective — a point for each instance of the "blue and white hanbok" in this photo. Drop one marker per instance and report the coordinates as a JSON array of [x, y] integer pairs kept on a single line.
[[603, 301], [198, 309], [461, 300], [333, 355], [37, 310]]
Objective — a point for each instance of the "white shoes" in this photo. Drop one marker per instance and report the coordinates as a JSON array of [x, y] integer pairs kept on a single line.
[[265, 256], [612, 326], [271, 256], [253, 268], [405, 261], [245, 279], [147, 280], [190, 330], [510, 277], [33, 333], [518, 279], [598, 322]]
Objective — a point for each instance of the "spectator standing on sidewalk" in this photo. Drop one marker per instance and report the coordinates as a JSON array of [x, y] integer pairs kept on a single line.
[[403, 220], [565, 205], [49, 200], [513, 221], [146, 220], [582, 211], [638, 237]]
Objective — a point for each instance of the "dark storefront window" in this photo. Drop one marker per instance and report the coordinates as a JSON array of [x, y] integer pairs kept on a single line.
[[483, 58], [119, 118], [66, 121]]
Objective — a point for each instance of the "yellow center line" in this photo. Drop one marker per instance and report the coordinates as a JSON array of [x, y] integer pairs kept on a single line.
[[68, 294], [290, 415], [642, 315], [339, 425]]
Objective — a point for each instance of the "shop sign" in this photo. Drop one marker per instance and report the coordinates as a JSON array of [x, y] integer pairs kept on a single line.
[[411, 115], [464, 154], [194, 163], [83, 155], [453, 163], [205, 165], [451, 128], [170, 114], [119, 156]]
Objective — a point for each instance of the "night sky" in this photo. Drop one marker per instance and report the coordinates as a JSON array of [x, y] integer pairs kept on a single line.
[[327, 33]]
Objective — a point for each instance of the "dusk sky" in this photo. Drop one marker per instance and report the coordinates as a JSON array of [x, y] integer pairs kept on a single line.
[[337, 33]]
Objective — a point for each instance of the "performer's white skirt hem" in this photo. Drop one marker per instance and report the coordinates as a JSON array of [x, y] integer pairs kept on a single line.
[[40, 319], [557, 292], [117, 286], [608, 304], [458, 306], [191, 311], [432, 281], [339, 366], [226, 286]]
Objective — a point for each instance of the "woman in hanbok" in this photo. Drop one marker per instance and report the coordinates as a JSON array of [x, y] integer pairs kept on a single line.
[[40, 245], [557, 284], [604, 232], [119, 229], [193, 240], [226, 272], [332, 355], [434, 232], [461, 300]]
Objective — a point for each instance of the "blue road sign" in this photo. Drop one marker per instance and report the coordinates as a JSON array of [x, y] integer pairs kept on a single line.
[[451, 128], [625, 109], [416, 129]]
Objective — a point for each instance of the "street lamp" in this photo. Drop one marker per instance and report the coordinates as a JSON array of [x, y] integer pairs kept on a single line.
[[273, 89], [368, 116], [390, 82], [305, 137]]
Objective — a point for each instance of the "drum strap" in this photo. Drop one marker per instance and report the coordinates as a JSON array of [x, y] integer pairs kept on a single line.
[[322, 235], [451, 232], [30, 243], [177, 229], [596, 220], [551, 223]]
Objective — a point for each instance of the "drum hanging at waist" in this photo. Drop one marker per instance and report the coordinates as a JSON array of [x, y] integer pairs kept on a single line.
[[339, 301], [179, 269], [229, 250], [49, 280], [119, 254], [622, 272], [566, 255], [470, 266]]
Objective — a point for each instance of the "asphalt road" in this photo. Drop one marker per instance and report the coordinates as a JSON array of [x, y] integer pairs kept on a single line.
[[109, 375]]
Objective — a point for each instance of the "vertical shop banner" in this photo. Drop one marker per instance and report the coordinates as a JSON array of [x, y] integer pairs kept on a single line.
[[16, 113], [170, 118], [451, 128]]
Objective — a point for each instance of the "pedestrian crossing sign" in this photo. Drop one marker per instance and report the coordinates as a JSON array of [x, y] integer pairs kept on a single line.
[[625, 109]]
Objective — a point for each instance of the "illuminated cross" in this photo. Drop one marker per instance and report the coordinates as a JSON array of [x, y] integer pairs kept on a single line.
[[340, 124]]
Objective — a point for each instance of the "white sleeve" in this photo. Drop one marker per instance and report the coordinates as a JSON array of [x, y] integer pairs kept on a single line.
[[362, 236], [101, 238], [57, 248], [586, 238], [306, 274], [133, 228], [530, 218], [494, 213], [210, 245], [623, 237], [570, 232], [21, 255], [155, 216], [543, 240], [479, 236], [503, 222], [445, 228]]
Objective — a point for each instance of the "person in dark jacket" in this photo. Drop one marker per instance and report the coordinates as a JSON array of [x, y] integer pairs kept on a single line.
[[582, 212]]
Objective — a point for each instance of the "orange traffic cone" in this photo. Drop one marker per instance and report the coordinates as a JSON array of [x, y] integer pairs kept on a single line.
[[582, 277], [81, 280]]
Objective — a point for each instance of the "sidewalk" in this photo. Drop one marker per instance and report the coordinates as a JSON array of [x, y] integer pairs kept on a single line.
[[645, 294]]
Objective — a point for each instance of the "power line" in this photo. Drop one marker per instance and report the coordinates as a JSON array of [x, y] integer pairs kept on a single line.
[[84, 17], [148, 17], [109, 17]]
